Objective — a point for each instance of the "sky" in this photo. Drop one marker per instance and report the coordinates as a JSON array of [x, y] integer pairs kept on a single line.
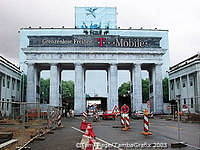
[[180, 17]]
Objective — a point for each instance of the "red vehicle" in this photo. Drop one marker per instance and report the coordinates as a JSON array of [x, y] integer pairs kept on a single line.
[[108, 115]]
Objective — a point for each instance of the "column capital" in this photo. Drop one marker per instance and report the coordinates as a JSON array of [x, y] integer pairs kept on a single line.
[[30, 63], [158, 64], [137, 64], [113, 64], [78, 64], [53, 64]]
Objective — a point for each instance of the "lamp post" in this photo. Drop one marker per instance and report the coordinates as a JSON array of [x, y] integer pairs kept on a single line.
[[178, 122]]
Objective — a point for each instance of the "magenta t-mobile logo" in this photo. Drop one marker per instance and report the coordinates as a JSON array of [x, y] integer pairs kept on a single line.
[[101, 41]]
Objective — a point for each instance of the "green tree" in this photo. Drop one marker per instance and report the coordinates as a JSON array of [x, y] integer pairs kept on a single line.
[[124, 89], [165, 90], [145, 90], [66, 86], [67, 89], [44, 90]]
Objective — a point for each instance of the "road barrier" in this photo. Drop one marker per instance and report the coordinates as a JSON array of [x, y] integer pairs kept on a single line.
[[85, 115], [59, 121], [125, 121], [54, 117], [95, 117], [146, 123], [88, 141], [83, 125], [89, 131], [122, 121]]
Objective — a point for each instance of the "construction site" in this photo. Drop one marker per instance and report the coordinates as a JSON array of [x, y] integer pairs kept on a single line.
[[31, 128], [105, 81]]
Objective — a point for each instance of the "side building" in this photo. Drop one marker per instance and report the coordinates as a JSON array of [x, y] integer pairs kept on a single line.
[[184, 80], [10, 87]]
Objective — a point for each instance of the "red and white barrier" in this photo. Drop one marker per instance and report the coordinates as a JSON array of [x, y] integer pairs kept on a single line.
[[88, 141], [59, 120], [125, 121], [122, 121], [85, 115], [89, 131], [83, 125], [146, 124]]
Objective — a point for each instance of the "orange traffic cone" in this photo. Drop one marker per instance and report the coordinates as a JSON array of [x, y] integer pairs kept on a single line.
[[89, 131], [83, 125], [90, 145]]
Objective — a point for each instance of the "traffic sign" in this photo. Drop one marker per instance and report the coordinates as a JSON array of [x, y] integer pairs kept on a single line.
[[115, 109], [125, 109]]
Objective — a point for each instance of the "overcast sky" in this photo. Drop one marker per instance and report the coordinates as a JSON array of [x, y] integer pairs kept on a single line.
[[180, 17]]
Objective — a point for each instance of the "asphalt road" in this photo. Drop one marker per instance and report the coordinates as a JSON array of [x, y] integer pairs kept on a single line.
[[164, 132], [62, 139]]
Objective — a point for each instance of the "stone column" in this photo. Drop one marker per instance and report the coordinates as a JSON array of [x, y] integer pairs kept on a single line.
[[137, 87], [158, 94], [37, 75], [60, 85], [113, 87], [54, 85], [131, 89], [151, 88], [31, 83], [79, 101]]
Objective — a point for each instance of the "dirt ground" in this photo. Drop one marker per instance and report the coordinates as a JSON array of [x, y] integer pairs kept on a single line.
[[21, 131]]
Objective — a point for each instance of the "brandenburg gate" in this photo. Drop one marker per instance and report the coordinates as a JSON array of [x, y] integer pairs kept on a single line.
[[81, 52]]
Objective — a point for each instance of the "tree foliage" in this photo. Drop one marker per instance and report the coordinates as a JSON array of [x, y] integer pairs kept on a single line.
[[165, 90], [145, 90], [44, 90], [67, 89], [124, 89]]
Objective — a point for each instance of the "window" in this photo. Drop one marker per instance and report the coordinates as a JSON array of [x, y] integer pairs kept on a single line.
[[8, 82], [172, 85], [3, 81], [192, 103], [2, 106], [7, 104], [177, 84], [191, 83], [18, 85], [183, 84], [184, 101], [13, 84]]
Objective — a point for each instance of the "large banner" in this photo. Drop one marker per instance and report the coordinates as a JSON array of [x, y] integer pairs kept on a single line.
[[94, 41], [95, 17]]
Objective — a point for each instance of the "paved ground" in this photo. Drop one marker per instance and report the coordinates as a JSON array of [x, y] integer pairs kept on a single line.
[[62, 139], [163, 132]]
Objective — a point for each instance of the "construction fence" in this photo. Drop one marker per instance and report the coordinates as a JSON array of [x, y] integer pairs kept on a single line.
[[25, 112]]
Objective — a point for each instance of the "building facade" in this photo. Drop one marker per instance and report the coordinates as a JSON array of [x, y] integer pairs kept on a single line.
[[10, 86], [184, 81], [58, 49]]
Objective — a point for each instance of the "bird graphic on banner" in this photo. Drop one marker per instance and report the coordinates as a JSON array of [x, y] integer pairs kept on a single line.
[[91, 12]]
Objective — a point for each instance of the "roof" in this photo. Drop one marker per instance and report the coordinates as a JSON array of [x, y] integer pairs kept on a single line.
[[185, 62], [8, 63], [130, 28]]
